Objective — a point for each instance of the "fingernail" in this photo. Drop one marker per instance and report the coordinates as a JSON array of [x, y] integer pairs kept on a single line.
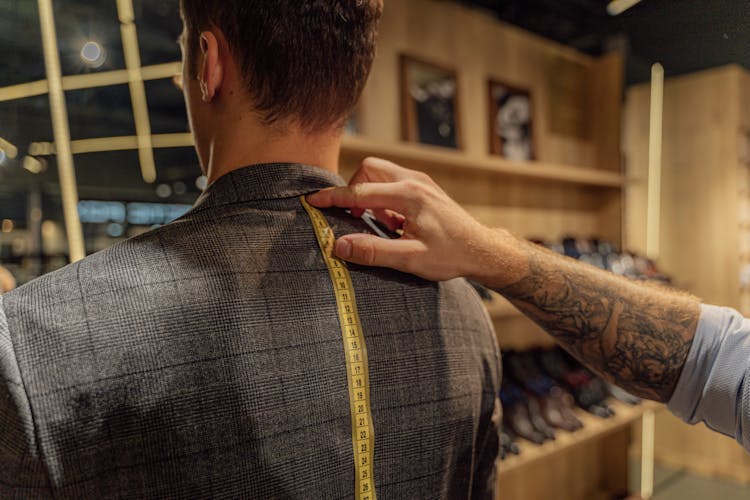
[[343, 249]]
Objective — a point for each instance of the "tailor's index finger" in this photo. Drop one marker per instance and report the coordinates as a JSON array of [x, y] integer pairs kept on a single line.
[[392, 196], [321, 199], [374, 169]]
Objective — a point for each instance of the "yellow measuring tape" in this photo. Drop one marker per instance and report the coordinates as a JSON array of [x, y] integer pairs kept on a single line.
[[357, 372]]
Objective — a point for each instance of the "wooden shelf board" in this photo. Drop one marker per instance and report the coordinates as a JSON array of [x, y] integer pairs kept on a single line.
[[593, 428], [420, 156]]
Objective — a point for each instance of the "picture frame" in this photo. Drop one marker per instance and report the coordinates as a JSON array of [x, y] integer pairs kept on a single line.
[[429, 103], [511, 121]]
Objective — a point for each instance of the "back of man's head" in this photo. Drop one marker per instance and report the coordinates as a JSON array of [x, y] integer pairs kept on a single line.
[[301, 60]]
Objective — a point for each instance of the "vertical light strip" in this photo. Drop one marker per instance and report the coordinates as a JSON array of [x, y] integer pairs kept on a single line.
[[61, 130], [648, 427], [617, 7], [653, 235], [137, 89], [653, 218]]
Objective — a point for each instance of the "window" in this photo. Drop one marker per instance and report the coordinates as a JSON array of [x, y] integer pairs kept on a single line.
[[129, 139]]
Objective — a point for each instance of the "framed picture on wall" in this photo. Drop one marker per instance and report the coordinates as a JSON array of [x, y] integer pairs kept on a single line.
[[429, 103], [511, 122]]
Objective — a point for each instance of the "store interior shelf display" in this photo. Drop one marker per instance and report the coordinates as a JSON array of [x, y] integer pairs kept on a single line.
[[563, 180], [593, 428], [550, 402], [429, 157]]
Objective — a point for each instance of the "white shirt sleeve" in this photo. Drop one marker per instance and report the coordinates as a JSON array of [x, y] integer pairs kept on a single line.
[[714, 386]]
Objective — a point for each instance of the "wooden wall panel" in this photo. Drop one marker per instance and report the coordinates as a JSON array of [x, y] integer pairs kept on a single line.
[[698, 182], [606, 98], [478, 47], [704, 199], [635, 149]]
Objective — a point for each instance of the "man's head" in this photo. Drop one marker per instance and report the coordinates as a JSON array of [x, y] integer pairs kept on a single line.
[[298, 62]]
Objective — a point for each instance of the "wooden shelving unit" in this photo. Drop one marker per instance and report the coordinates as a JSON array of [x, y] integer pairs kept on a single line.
[[513, 329], [574, 188], [593, 428], [430, 157]]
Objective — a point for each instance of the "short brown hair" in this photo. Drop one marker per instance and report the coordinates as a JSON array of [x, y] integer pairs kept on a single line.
[[306, 60]]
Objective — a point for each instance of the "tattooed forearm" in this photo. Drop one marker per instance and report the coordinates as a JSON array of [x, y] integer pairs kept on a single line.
[[636, 336]]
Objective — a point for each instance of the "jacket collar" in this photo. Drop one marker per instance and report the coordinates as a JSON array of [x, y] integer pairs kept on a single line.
[[268, 181]]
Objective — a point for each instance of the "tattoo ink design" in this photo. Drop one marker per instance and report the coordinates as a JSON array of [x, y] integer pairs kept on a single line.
[[637, 338]]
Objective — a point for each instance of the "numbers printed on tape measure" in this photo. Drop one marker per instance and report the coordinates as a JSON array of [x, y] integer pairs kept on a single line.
[[355, 350]]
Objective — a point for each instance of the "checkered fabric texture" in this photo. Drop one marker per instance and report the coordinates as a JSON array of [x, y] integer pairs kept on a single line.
[[204, 359]]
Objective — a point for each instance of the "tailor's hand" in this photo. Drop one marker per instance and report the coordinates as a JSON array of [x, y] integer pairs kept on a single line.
[[439, 241]]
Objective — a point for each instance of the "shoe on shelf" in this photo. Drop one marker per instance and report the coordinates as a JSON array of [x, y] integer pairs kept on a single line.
[[516, 413], [589, 391], [523, 369]]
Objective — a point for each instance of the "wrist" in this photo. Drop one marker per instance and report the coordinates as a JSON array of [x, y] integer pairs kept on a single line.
[[496, 258]]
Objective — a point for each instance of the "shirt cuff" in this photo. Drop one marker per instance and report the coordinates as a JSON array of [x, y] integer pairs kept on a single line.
[[712, 387]]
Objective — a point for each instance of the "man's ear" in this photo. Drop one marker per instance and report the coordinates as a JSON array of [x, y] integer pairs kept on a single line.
[[211, 73]]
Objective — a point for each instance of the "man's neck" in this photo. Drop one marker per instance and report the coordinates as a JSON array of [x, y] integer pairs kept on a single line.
[[240, 148]]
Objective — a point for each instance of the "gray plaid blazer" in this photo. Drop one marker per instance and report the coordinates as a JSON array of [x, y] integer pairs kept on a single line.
[[204, 360]]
